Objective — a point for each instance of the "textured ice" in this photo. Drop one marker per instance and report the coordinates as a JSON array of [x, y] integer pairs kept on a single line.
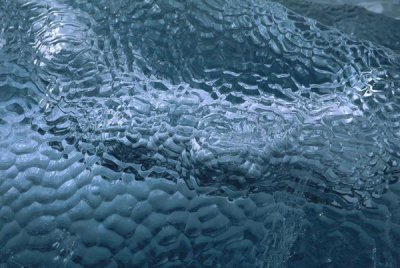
[[198, 133], [354, 20]]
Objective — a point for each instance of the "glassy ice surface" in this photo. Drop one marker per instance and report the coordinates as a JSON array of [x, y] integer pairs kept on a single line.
[[199, 133]]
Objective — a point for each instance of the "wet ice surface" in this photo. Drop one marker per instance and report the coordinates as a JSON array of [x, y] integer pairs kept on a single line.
[[198, 134]]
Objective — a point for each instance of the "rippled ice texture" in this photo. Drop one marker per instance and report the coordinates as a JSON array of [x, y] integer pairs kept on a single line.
[[198, 133]]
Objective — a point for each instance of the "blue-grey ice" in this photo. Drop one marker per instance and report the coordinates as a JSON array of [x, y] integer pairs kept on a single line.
[[198, 133]]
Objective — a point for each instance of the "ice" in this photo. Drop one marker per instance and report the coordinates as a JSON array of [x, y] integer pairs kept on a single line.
[[198, 133]]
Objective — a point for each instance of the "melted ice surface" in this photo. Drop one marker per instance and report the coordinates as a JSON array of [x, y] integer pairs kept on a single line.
[[197, 133]]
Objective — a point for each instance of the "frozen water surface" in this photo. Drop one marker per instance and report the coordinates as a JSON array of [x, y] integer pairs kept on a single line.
[[199, 133]]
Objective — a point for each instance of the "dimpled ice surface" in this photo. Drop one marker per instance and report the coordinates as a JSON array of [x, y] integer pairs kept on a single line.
[[199, 133]]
